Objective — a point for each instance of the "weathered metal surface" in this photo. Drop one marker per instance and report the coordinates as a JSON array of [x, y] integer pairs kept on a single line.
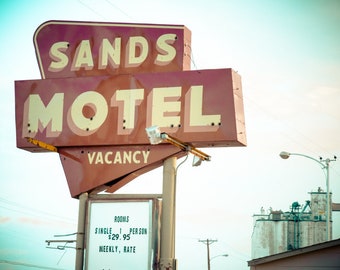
[[79, 49], [110, 167], [202, 107]]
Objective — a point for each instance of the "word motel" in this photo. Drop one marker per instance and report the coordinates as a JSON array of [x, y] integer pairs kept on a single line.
[[90, 111], [196, 106]]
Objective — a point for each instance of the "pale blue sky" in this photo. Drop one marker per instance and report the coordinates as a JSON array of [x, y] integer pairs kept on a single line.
[[288, 54]]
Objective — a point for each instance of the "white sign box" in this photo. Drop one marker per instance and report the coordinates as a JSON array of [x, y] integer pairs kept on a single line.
[[122, 234]]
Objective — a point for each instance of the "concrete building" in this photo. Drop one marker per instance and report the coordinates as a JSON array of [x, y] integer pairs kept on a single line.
[[302, 226]]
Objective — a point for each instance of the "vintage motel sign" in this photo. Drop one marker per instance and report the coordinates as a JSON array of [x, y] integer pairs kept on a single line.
[[82, 49], [79, 49], [104, 83]]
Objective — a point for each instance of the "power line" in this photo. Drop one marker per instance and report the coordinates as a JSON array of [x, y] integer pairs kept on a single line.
[[28, 265], [34, 212], [297, 137], [122, 11], [94, 11]]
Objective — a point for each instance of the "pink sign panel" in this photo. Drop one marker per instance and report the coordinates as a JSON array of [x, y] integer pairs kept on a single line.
[[110, 167], [78, 49], [202, 107]]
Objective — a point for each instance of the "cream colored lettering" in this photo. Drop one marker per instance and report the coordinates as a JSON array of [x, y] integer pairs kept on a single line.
[[91, 156], [165, 107], [107, 157], [168, 53], [137, 43], [86, 125], [119, 157], [195, 121], [90, 110], [99, 159], [58, 56], [37, 116], [146, 156], [110, 53], [83, 57], [127, 101], [134, 157], [127, 157]]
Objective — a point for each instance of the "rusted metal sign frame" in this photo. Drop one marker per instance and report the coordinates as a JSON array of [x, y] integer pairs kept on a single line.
[[152, 47], [188, 95]]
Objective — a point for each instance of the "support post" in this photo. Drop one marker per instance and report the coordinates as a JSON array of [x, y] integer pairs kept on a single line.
[[328, 231], [208, 254], [167, 258], [81, 232]]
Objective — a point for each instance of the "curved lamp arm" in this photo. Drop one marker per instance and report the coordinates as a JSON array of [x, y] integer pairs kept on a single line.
[[221, 255], [324, 165], [286, 155]]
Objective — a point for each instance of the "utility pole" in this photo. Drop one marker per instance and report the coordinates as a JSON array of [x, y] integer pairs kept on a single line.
[[208, 242]]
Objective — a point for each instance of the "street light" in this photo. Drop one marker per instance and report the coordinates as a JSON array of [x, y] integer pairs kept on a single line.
[[156, 137], [208, 242], [221, 255], [324, 163]]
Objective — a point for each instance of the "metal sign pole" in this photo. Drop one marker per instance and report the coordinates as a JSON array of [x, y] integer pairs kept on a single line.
[[167, 260], [81, 231]]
